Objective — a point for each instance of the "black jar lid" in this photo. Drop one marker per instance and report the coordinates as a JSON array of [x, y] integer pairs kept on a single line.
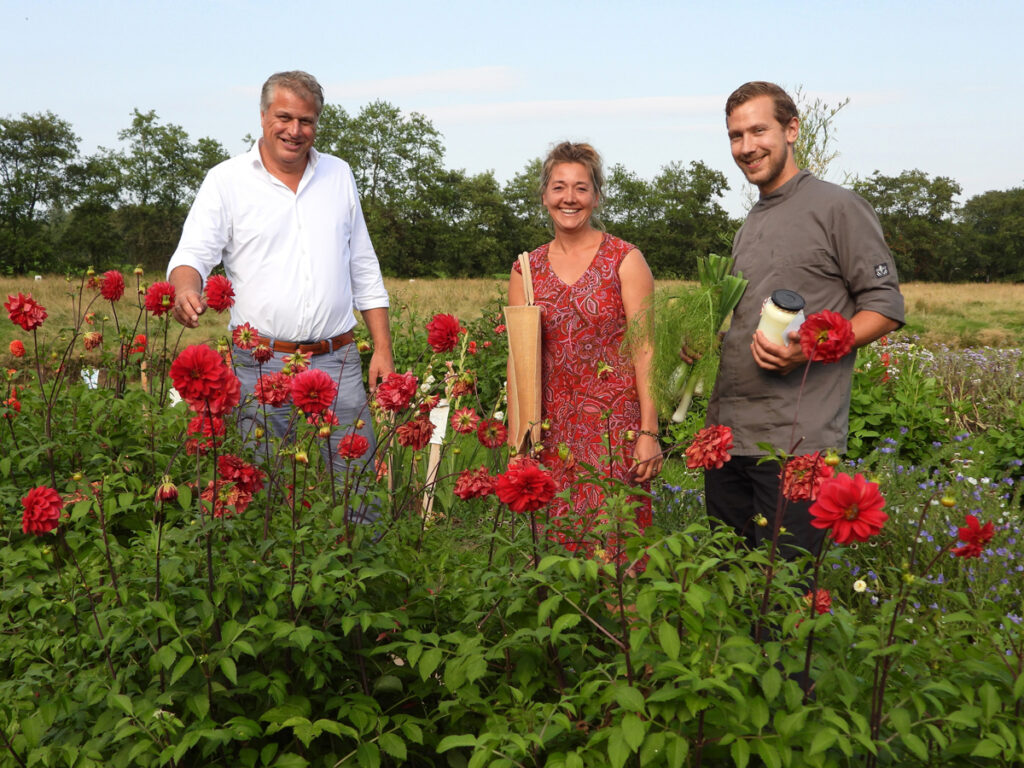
[[790, 301]]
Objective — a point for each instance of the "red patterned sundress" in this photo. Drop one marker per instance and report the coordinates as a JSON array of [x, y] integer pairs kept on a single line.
[[589, 392]]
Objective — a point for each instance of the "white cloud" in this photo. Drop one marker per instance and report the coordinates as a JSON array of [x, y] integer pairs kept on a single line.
[[625, 109], [475, 80]]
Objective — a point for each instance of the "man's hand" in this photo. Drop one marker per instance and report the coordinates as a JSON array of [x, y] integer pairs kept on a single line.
[[381, 364], [775, 357], [188, 298], [188, 306]]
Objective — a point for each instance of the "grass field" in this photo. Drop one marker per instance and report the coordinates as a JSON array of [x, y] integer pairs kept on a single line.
[[957, 315]]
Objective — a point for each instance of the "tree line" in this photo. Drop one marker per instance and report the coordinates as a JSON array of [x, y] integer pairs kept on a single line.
[[61, 211]]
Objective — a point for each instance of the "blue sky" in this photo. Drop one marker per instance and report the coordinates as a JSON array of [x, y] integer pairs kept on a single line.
[[932, 85]]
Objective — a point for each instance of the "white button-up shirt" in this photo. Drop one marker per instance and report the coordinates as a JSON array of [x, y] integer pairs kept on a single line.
[[300, 262]]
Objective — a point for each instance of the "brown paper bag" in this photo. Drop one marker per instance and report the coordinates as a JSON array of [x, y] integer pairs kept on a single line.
[[522, 323]]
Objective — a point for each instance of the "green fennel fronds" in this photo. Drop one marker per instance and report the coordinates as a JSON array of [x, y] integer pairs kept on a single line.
[[694, 319]]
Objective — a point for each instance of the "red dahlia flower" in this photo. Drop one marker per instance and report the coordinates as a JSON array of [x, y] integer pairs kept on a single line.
[[228, 495], [25, 311], [851, 507], [491, 433], [17, 348], [198, 373], [92, 339], [804, 475], [475, 484], [160, 298], [974, 537], [262, 352], [826, 337], [246, 476], [112, 285], [821, 599], [42, 507], [443, 333], [139, 344], [352, 446], [525, 487], [415, 433], [296, 363], [710, 447], [313, 390], [464, 420], [273, 389], [245, 337], [396, 391], [219, 293]]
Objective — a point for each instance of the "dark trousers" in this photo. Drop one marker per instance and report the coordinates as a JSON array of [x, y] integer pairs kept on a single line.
[[742, 490]]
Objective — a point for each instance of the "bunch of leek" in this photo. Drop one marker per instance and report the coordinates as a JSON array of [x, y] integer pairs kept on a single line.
[[693, 319]]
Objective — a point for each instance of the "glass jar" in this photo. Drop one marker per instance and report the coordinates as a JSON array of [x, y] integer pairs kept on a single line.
[[781, 313]]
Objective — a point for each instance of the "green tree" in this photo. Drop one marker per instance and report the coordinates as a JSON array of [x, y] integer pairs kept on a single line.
[[687, 220], [815, 148], [521, 194], [35, 152], [917, 214], [994, 235], [161, 170]]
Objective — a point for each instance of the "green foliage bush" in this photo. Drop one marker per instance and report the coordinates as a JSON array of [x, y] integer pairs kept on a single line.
[[147, 633]]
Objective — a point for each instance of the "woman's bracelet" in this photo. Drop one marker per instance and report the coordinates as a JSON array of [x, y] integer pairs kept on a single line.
[[655, 435]]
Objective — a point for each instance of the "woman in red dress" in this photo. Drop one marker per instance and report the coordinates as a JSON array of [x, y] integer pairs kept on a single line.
[[596, 398]]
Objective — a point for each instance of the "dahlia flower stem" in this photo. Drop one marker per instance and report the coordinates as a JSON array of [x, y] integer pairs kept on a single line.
[[106, 547], [799, 397], [92, 605], [10, 748], [822, 549], [47, 411]]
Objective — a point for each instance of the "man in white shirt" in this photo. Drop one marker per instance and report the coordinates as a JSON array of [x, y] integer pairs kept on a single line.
[[286, 223]]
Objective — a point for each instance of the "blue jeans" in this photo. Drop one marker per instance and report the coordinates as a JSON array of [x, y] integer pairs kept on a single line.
[[350, 406]]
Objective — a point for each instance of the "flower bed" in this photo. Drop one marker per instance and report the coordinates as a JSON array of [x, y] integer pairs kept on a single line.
[[174, 599]]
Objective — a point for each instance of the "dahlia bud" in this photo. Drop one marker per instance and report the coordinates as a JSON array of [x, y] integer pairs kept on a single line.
[[545, 425], [359, 424], [831, 458], [947, 501], [363, 345], [628, 436], [138, 270], [324, 431], [301, 457], [90, 272], [166, 491], [563, 452], [77, 476], [761, 521], [258, 432]]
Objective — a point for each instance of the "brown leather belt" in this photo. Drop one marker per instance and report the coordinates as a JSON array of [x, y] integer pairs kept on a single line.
[[321, 347]]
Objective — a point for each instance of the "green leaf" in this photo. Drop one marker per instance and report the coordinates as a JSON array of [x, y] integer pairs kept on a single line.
[[33, 728], [915, 744], [1018, 688], [429, 663], [740, 752], [291, 760], [121, 702], [823, 739], [629, 698], [227, 666], [668, 639], [677, 750], [900, 720], [986, 748], [393, 745], [771, 683], [618, 750], [183, 666], [564, 622], [458, 740], [633, 731]]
